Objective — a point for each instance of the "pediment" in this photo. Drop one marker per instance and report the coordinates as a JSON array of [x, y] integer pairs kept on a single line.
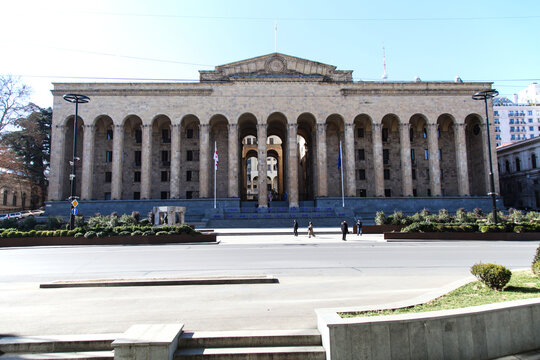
[[276, 67]]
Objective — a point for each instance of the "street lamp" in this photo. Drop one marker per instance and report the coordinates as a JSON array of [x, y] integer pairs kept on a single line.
[[484, 95], [76, 99]]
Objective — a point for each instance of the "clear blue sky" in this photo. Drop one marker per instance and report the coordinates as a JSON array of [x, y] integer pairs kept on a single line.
[[478, 40]]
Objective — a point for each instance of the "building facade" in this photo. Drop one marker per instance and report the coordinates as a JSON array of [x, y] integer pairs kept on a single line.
[[156, 140], [519, 169], [530, 95], [515, 122]]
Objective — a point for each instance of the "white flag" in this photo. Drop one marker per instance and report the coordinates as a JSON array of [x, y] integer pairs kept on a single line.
[[216, 159]]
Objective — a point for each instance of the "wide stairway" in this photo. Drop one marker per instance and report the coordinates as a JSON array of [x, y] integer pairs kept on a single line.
[[58, 347], [277, 215], [251, 345]]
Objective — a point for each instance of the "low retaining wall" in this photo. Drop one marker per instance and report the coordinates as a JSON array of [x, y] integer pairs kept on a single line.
[[399, 236], [110, 240], [480, 332]]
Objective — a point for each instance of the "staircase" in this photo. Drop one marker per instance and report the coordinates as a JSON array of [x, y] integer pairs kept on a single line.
[[58, 347], [251, 345]]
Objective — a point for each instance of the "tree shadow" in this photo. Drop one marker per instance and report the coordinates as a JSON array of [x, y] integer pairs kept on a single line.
[[523, 290]]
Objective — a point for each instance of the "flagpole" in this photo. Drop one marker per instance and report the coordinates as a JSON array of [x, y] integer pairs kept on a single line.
[[215, 171], [342, 193]]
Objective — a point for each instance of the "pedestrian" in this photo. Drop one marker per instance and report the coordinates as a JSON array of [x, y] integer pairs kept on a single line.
[[344, 230], [310, 230], [359, 227], [269, 198], [295, 228]]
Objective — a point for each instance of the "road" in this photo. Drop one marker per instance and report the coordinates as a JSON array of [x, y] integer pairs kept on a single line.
[[313, 273]]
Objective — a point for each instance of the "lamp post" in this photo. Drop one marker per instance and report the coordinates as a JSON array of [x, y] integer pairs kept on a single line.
[[76, 99], [484, 95]]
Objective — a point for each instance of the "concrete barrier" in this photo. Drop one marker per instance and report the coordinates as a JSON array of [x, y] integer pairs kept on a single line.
[[143, 342], [479, 332]]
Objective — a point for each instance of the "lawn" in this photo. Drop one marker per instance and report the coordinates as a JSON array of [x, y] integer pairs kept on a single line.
[[522, 285]]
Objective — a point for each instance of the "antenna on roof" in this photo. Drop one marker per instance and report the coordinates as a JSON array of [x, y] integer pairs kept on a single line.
[[275, 36], [385, 75]]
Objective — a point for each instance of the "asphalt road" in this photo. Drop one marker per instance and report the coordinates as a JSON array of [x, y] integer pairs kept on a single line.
[[313, 273]]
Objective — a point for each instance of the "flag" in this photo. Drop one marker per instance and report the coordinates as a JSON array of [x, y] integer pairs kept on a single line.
[[216, 158], [339, 157]]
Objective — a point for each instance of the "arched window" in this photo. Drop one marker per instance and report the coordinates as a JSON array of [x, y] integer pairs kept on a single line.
[[533, 161], [14, 199], [23, 200], [4, 201]]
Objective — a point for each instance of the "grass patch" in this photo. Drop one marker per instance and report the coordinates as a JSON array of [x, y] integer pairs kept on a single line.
[[522, 285]]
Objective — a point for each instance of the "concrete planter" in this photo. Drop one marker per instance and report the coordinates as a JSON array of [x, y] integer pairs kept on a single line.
[[479, 332], [378, 229], [399, 236], [110, 240]]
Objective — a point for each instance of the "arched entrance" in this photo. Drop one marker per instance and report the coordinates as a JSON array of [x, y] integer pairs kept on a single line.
[[306, 148]]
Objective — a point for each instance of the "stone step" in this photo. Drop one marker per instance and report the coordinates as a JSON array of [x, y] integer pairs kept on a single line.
[[253, 353], [81, 355], [56, 343], [249, 338]]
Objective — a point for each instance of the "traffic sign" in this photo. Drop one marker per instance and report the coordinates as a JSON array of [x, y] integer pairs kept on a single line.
[[74, 211], [74, 203]]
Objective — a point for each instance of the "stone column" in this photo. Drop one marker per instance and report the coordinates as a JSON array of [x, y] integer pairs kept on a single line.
[[378, 163], [146, 161], [461, 159], [175, 160], [233, 161], [58, 149], [88, 162], [434, 164], [292, 165], [261, 166], [204, 152], [406, 166], [118, 160], [322, 180], [348, 161]]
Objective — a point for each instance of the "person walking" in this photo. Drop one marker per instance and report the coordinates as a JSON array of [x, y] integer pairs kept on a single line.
[[295, 228], [344, 230], [359, 227], [310, 230]]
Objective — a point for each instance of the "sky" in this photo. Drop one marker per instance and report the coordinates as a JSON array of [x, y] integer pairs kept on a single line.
[[171, 40]]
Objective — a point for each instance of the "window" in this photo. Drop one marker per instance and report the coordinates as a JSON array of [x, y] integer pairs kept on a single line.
[[386, 174], [518, 164], [511, 129], [138, 158], [107, 196], [189, 194], [531, 128], [533, 161], [386, 156], [138, 136], [530, 120], [411, 135], [412, 156], [110, 134], [189, 175], [513, 137], [510, 113], [361, 154], [165, 158], [14, 199], [4, 201], [108, 156], [271, 141], [108, 176], [165, 136], [189, 135], [137, 176], [424, 132], [387, 192], [440, 154], [360, 132], [23, 200], [269, 167], [496, 113], [511, 121], [529, 113], [164, 195], [426, 154], [164, 176], [136, 195], [360, 174], [428, 192], [414, 174], [192, 155], [414, 193], [385, 134]]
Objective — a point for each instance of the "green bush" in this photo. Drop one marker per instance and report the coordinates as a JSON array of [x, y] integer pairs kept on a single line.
[[40, 227], [54, 223], [79, 221], [492, 228], [127, 220], [78, 235], [90, 234], [28, 223], [162, 233], [136, 233], [397, 218], [148, 232], [145, 222], [536, 268], [515, 216], [8, 223], [494, 276], [124, 233], [380, 218]]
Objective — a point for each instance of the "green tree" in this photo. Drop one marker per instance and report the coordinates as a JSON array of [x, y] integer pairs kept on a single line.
[[31, 142]]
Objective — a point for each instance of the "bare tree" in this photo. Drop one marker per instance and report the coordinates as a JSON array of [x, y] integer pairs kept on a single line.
[[13, 99]]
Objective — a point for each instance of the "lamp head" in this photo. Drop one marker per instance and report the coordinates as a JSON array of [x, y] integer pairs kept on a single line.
[[486, 94]]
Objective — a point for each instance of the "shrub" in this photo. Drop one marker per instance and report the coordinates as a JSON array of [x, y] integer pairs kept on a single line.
[[79, 221], [98, 221], [136, 216], [494, 276], [380, 218], [444, 216], [54, 223], [537, 256], [28, 223], [515, 216], [500, 216], [136, 232], [162, 233], [8, 223], [479, 213], [127, 220], [148, 232], [90, 234], [144, 222], [78, 235], [492, 228], [397, 218], [40, 227], [536, 268], [124, 233], [150, 217]]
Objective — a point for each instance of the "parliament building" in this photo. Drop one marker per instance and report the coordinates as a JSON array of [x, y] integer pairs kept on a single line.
[[276, 123]]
